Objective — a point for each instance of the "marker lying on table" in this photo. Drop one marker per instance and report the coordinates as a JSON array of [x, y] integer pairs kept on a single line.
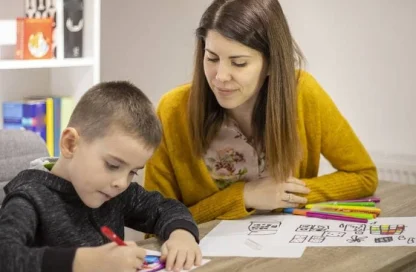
[[365, 199], [313, 213], [369, 216], [335, 217], [346, 208], [355, 204]]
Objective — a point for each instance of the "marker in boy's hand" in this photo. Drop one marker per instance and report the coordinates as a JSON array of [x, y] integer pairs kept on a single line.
[[181, 251], [109, 258]]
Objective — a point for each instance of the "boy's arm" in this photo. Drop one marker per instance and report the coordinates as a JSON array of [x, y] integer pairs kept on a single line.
[[150, 212], [18, 224]]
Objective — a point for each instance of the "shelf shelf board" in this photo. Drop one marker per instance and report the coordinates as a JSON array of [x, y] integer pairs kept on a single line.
[[50, 63]]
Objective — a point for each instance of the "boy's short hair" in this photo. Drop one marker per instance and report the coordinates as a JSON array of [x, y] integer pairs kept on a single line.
[[116, 105]]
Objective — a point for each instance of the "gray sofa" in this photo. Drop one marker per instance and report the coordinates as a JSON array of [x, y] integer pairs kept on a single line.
[[17, 149]]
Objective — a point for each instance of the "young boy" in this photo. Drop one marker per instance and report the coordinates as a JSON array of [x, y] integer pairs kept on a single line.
[[51, 217]]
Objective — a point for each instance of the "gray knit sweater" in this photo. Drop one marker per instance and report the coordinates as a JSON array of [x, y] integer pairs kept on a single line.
[[43, 221]]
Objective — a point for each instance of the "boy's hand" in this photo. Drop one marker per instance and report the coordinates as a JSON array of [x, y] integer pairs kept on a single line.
[[110, 257], [181, 251]]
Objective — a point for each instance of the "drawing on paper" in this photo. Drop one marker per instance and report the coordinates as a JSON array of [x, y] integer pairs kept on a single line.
[[333, 234], [264, 228], [298, 239], [386, 229], [357, 228], [316, 239], [387, 239], [401, 237], [356, 239], [310, 228], [411, 240]]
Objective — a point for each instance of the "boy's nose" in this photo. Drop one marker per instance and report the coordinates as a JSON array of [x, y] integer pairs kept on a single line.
[[120, 184]]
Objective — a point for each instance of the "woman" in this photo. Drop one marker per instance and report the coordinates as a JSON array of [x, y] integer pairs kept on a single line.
[[248, 132]]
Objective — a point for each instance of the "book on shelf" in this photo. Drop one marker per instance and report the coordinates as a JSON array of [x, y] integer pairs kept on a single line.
[[67, 27], [34, 38], [46, 116]]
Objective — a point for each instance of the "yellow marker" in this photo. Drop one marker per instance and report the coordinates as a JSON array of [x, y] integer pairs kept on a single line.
[[340, 208]]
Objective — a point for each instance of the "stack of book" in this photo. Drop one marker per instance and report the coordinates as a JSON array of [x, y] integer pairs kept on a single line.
[[46, 116]]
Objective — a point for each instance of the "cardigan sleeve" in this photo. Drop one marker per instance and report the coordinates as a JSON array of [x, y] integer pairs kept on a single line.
[[355, 174], [224, 204]]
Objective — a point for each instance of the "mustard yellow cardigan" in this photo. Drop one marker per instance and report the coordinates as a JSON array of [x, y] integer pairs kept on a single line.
[[175, 173]]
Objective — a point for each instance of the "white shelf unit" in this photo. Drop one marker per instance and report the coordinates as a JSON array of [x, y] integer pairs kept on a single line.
[[63, 77]]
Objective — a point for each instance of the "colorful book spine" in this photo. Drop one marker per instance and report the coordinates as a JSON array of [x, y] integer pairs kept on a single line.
[[67, 106], [49, 126], [34, 112], [46, 116], [57, 102], [12, 115]]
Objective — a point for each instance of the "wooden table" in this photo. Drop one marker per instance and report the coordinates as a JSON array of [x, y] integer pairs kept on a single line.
[[397, 200]]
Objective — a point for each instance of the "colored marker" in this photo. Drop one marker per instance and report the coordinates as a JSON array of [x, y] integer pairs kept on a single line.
[[112, 236], [365, 199], [320, 210], [335, 217], [358, 204], [295, 211], [369, 216], [346, 208], [107, 232]]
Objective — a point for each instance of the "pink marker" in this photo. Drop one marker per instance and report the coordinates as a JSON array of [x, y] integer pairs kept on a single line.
[[335, 217]]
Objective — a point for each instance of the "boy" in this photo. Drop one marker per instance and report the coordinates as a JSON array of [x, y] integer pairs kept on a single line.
[[51, 217]]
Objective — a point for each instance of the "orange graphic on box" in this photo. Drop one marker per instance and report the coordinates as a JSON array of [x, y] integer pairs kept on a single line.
[[387, 229]]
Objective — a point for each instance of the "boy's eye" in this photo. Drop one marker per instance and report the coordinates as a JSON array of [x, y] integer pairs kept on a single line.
[[112, 166], [133, 173]]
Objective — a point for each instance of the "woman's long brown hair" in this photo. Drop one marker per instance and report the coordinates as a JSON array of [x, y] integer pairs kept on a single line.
[[261, 25]]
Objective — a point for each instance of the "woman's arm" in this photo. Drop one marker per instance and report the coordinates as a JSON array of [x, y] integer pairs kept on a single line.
[[224, 204], [356, 174]]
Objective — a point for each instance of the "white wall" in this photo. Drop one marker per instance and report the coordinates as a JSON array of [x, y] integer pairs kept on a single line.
[[149, 42], [362, 53]]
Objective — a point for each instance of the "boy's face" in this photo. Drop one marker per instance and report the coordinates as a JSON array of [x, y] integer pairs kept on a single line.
[[102, 169]]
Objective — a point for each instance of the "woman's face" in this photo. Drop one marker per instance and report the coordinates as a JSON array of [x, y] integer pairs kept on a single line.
[[234, 71]]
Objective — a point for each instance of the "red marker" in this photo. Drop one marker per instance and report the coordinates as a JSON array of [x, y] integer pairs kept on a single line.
[[112, 236], [107, 232]]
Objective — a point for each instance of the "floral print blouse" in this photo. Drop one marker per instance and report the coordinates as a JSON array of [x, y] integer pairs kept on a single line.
[[231, 157]]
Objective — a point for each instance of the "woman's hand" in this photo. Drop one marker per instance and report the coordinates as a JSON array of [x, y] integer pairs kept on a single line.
[[268, 194]]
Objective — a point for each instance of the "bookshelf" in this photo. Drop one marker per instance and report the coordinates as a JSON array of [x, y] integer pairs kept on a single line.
[[54, 77]]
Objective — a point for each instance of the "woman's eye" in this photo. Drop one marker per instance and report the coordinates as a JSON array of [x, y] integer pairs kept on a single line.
[[240, 64], [212, 59]]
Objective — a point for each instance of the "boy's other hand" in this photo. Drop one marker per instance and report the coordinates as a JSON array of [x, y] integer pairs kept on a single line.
[[110, 257], [181, 251]]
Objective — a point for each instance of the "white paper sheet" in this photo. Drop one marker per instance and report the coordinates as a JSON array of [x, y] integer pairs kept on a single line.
[[246, 247], [245, 238], [288, 235], [382, 231], [157, 253]]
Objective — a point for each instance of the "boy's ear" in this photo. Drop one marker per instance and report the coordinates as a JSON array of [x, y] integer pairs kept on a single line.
[[69, 142]]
